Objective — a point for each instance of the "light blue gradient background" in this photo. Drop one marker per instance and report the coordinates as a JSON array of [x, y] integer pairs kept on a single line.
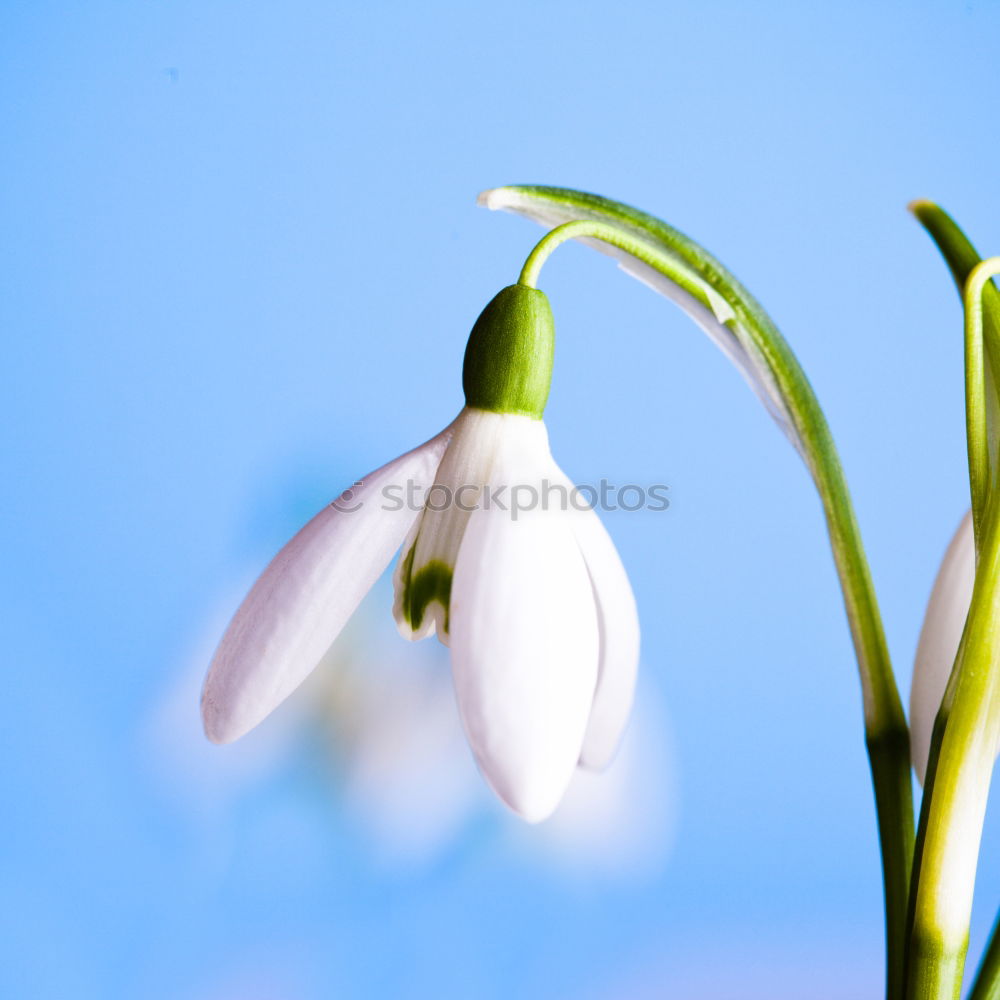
[[240, 257]]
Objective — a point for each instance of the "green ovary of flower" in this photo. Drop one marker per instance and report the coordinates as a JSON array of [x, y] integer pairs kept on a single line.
[[508, 360]]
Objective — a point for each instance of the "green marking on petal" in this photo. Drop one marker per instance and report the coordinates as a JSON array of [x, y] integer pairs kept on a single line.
[[403, 580], [421, 589]]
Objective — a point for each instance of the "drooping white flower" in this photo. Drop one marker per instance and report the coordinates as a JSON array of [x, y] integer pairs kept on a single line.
[[940, 636], [502, 561]]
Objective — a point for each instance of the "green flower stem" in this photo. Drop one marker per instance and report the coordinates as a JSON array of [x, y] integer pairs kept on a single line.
[[955, 802], [986, 985], [962, 259], [980, 476], [674, 256], [965, 731], [579, 230]]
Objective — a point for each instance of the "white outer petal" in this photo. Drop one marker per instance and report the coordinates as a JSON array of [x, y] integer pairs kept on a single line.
[[940, 636], [618, 621], [302, 600], [524, 644]]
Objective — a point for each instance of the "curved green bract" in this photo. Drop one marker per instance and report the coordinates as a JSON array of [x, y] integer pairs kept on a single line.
[[765, 356], [685, 272]]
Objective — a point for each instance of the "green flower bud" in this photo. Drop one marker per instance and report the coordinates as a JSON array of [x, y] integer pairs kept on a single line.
[[508, 360]]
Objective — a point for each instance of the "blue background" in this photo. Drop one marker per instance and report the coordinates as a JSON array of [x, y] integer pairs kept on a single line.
[[239, 257]]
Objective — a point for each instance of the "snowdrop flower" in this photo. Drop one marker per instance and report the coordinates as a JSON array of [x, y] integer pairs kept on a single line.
[[502, 561], [940, 636]]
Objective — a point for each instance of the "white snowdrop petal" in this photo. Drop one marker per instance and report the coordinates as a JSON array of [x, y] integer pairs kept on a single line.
[[940, 636], [524, 643], [302, 600], [618, 621]]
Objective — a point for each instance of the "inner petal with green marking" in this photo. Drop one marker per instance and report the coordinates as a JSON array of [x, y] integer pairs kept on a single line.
[[483, 444], [423, 575]]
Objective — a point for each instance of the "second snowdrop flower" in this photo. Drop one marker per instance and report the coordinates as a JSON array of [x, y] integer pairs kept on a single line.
[[940, 636]]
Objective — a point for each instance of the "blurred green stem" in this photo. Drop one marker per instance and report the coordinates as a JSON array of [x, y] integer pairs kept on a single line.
[[986, 985]]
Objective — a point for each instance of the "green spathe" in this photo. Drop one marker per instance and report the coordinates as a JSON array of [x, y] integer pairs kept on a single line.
[[508, 360]]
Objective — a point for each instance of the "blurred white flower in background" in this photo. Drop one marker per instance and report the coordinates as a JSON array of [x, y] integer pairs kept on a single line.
[[619, 823], [389, 721], [401, 769], [189, 769]]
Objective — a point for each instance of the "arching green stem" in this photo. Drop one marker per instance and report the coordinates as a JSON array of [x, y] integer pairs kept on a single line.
[[720, 304], [578, 231]]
